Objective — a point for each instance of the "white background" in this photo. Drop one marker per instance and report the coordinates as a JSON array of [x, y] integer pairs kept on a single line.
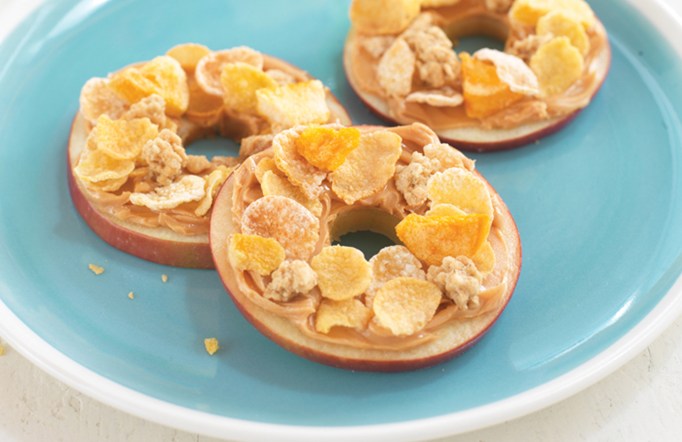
[[642, 401]]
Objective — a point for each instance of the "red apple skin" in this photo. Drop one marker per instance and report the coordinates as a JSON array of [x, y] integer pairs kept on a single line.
[[221, 226]]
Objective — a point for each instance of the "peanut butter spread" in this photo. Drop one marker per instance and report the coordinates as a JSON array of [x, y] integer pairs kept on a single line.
[[418, 77], [379, 212]]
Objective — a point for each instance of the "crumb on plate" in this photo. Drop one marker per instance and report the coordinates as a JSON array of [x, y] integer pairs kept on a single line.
[[212, 345]]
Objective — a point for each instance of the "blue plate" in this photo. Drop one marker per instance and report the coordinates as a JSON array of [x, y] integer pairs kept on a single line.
[[598, 207]]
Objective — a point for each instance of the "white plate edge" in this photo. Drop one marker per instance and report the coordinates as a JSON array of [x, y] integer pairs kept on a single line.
[[58, 365]]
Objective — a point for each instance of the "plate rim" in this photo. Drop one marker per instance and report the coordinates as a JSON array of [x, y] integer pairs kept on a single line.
[[34, 348]]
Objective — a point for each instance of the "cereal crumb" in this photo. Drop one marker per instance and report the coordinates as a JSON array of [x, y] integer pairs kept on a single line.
[[212, 345], [164, 278], [131, 295], [290, 279], [2, 350], [97, 270]]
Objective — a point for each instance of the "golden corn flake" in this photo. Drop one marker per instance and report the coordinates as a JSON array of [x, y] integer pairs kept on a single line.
[[396, 69], [529, 12], [383, 16], [188, 55], [511, 70], [111, 185], [131, 295], [214, 181], [98, 99], [349, 313], [367, 168], [294, 104], [164, 278], [405, 305], [285, 220], [273, 184], [342, 272], [484, 92], [485, 258], [210, 67], [204, 109], [188, 188], [123, 139], [97, 270], [432, 238], [460, 188], [254, 253], [393, 262], [95, 166], [558, 64], [327, 148], [447, 155], [444, 210], [266, 164], [240, 82], [301, 173], [211, 345], [560, 23], [163, 76]]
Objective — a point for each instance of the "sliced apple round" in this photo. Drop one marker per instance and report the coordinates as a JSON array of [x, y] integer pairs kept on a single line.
[[450, 337], [472, 135], [157, 244]]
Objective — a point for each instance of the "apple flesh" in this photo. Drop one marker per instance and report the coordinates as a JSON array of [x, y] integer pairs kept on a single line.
[[453, 337]]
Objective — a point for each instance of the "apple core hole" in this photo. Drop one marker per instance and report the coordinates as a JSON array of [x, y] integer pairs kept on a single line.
[[477, 32], [213, 146], [366, 229]]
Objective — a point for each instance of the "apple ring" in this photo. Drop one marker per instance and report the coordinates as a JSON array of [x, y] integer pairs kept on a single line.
[[130, 177], [401, 64], [451, 273]]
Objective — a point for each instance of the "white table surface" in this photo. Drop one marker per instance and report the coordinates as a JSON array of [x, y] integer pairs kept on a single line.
[[642, 401]]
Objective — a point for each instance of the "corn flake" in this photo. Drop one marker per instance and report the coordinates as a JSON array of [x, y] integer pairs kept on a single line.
[[393, 262], [484, 92], [327, 148], [210, 67], [559, 23], [285, 220], [211, 345], [349, 313], [97, 270], [529, 12], [460, 188], [432, 238], [342, 272], [163, 76], [558, 64], [240, 82], [444, 210], [405, 305], [123, 139], [293, 104], [511, 70], [98, 99], [301, 173], [273, 184], [383, 16], [266, 164], [396, 69], [214, 181], [188, 188], [188, 55], [95, 166], [369, 167], [254, 253]]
